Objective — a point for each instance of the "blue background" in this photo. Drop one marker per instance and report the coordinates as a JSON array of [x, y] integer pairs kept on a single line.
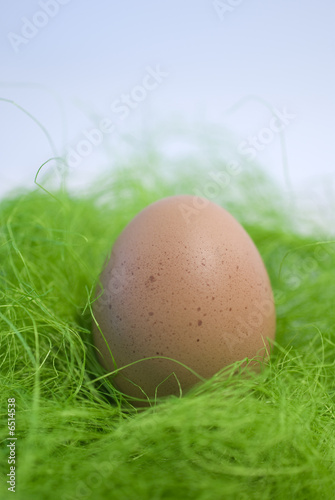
[[89, 53]]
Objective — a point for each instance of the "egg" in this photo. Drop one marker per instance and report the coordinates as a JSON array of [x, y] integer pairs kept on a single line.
[[184, 294]]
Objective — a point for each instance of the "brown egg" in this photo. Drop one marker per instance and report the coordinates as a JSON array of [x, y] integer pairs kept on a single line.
[[184, 281]]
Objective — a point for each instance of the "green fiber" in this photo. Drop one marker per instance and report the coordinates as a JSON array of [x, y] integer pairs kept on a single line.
[[237, 436]]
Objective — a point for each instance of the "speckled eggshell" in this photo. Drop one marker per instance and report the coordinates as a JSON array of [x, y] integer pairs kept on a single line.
[[184, 281]]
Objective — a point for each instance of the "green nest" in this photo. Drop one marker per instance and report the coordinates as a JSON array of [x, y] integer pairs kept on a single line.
[[240, 435]]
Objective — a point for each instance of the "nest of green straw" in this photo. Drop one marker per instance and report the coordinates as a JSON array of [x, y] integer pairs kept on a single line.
[[262, 436]]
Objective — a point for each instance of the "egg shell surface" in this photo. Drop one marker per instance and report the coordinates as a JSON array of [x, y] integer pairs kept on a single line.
[[184, 281]]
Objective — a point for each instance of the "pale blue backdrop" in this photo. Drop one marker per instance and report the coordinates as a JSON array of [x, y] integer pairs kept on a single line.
[[127, 66]]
